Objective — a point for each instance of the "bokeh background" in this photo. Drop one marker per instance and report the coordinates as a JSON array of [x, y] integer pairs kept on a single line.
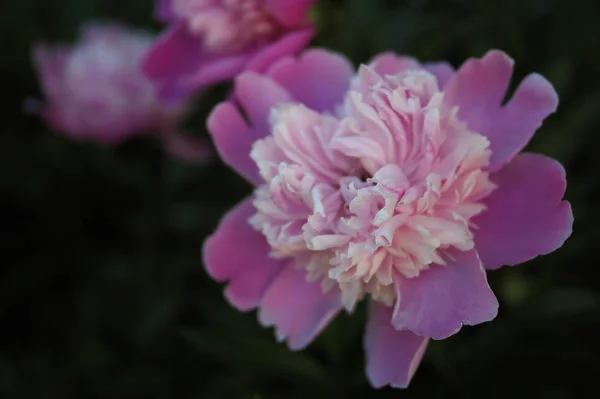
[[102, 290]]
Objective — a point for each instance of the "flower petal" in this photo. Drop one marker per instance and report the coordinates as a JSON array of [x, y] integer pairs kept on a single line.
[[233, 139], [443, 71], [173, 54], [392, 355], [289, 44], [534, 100], [443, 298], [215, 70], [50, 63], [218, 69], [298, 309], [258, 95], [525, 216], [319, 79], [237, 253], [391, 64], [290, 13], [163, 11], [478, 89]]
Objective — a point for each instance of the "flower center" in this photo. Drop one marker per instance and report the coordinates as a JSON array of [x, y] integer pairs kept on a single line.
[[228, 25], [425, 182]]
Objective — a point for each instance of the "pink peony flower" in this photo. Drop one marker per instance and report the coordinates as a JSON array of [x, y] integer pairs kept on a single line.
[[210, 41], [96, 90], [401, 183]]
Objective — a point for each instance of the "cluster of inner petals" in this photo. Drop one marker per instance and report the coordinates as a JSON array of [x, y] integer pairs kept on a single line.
[[379, 191], [102, 76], [228, 25]]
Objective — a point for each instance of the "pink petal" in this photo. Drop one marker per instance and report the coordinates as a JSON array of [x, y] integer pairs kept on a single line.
[[525, 215], [443, 298], [442, 71], [53, 117], [163, 11], [173, 54], [289, 44], [233, 139], [258, 95], [290, 13], [50, 63], [215, 70], [478, 89], [299, 310], [392, 64], [393, 355], [237, 253], [318, 78], [534, 100]]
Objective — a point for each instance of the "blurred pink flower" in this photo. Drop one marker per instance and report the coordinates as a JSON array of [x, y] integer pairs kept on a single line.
[[402, 183], [210, 41], [96, 90]]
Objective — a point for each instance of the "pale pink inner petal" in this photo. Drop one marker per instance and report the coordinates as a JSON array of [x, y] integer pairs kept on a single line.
[[227, 26]]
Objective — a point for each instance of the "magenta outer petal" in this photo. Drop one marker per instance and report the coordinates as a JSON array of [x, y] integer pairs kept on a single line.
[[257, 95], [442, 299], [240, 255], [443, 71], [163, 11], [392, 355], [290, 13], [173, 54], [209, 72], [299, 310], [318, 78], [216, 70], [478, 89], [525, 215], [233, 139], [291, 43]]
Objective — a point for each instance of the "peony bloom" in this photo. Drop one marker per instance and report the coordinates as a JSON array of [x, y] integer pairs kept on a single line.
[[400, 184], [210, 41], [96, 91]]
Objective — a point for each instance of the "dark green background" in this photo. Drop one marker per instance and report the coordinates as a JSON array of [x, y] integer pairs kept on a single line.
[[102, 290]]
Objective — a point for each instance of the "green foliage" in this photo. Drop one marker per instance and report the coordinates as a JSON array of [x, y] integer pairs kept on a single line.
[[103, 294]]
